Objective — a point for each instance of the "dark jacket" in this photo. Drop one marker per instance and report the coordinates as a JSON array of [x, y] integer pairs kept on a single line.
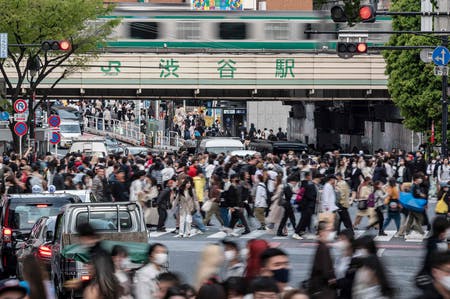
[[379, 174], [430, 293], [120, 191], [163, 200], [287, 193], [322, 272], [310, 195], [233, 198], [58, 181]]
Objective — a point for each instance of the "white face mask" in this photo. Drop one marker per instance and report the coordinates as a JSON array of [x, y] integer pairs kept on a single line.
[[361, 253], [229, 255], [445, 281], [244, 253], [160, 259], [341, 246], [125, 263]]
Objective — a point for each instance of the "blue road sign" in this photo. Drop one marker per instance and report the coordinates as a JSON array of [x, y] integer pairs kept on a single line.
[[3, 45], [441, 56], [20, 128], [4, 116], [56, 138], [54, 121]]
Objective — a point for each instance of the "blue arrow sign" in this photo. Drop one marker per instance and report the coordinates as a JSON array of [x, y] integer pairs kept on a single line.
[[441, 56], [4, 116]]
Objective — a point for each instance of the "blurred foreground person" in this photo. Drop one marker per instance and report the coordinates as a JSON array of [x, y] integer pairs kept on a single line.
[[371, 280], [145, 278], [36, 277], [103, 284], [211, 260], [12, 289], [322, 281]]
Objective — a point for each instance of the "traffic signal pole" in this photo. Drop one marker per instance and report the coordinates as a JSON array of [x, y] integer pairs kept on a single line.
[[444, 145]]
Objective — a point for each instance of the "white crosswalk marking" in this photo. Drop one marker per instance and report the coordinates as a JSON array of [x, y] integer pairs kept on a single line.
[[254, 234], [390, 235], [156, 234], [415, 237], [218, 235]]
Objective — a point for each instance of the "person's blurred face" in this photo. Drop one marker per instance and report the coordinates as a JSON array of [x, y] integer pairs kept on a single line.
[[300, 296], [265, 295], [277, 262], [120, 176]]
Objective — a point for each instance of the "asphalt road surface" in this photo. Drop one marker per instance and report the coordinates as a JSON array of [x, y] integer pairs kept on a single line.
[[402, 258]]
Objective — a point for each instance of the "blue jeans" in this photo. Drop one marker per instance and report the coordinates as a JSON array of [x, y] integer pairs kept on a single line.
[[198, 221], [225, 216], [395, 216]]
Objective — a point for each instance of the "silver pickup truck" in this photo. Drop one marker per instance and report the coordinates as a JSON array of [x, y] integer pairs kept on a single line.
[[118, 221]]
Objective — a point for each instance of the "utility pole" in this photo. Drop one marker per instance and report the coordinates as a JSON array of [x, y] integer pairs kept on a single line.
[[444, 144]]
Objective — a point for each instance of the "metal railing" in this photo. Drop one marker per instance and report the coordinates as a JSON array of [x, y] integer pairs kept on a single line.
[[130, 132]]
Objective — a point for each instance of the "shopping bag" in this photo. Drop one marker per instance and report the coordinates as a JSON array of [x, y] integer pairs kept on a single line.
[[411, 203]]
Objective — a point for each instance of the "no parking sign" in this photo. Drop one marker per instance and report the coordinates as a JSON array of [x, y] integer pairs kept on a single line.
[[20, 128], [20, 106]]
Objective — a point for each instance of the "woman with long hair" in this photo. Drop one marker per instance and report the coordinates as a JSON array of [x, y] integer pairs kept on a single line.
[[371, 280], [362, 197], [254, 247], [104, 284], [211, 260], [33, 275], [188, 205]]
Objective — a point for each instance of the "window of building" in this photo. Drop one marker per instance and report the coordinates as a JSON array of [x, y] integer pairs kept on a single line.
[[232, 30], [188, 30], [144, 30], [276, 31]]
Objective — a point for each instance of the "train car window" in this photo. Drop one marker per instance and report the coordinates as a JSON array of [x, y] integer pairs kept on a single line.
[[232, 30], [276, 31], [144, 30], [188, 30]]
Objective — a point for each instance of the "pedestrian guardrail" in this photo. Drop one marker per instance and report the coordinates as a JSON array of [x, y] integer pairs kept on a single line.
[[130, 132]]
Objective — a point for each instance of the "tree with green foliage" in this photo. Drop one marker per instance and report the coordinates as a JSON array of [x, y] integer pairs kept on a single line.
[[29, 23], [412, 84]]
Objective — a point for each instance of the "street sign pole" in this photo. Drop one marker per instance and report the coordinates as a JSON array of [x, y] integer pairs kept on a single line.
[[444, 148], [20, 146]]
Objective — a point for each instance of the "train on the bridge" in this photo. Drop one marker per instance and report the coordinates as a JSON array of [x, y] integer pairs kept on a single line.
[[146, 28]]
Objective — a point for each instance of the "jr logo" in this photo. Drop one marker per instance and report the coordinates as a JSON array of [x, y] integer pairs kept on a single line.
[[113, 68]]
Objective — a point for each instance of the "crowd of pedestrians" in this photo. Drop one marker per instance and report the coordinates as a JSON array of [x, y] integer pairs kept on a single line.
[[259, 193]]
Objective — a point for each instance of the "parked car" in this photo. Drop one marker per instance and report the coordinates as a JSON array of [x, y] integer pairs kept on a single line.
[[69, 129], [89, 147], [83, 195], [136, 150], [18, 215], [38, 243], [118, 221], [220, 145]]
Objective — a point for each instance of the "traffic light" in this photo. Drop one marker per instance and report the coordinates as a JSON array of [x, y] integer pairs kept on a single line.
[[55, 45], [353, 14], [367, 14], [348, 49]]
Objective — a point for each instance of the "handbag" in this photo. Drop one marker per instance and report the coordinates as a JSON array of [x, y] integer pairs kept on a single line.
[[207, 205], [362, 205], [441, 206]]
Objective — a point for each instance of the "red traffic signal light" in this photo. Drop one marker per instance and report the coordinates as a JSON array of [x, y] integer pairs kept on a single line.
[[367, 14], [361, 48], [347, 50], [54, 45]]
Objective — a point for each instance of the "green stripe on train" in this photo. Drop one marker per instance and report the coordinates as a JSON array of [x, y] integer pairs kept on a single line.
[[227, 45]]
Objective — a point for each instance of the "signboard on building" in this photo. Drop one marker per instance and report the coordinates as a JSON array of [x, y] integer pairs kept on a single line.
[[217, 4]]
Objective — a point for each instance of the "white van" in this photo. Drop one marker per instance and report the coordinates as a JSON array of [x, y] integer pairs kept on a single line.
[[69, 129], [220, 145], [90, 148]]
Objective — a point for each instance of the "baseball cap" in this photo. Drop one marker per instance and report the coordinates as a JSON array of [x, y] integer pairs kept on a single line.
[[11, 285]]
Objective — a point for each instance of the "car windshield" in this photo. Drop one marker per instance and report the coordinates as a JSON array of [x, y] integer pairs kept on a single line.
[[135, 151], [222, 149], [66, 114], [105, 220], [74, 128], [23, 216]]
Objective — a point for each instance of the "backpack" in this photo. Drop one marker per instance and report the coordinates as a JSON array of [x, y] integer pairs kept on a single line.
[[300, 194]]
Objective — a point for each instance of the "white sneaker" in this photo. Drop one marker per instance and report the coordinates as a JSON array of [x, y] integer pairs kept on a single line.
[[179, 236], [297, 237], [186, 236]]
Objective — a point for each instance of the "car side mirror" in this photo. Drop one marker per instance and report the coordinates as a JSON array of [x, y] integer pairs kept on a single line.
[[49, 236]]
